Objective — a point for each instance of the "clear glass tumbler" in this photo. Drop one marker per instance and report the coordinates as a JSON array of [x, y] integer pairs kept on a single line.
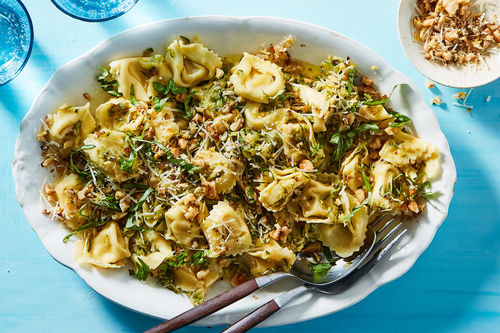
[[94, 10], [16, 39]]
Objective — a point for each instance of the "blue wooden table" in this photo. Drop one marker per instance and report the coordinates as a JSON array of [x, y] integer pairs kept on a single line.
[[453, 287]]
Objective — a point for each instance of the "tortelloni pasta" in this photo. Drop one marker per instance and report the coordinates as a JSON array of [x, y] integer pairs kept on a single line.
[[257, 79], [198, 167], [191, 63], [70, 125]]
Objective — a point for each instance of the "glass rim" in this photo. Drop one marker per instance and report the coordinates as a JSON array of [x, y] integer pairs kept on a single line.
[[26, 58], [65, 11]]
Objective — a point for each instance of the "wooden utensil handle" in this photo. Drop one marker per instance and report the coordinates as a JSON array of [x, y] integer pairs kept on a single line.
[[207, 308], [252, 319], [246, 323]]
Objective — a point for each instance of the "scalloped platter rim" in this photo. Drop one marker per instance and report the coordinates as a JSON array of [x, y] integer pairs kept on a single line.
[[313, 44]]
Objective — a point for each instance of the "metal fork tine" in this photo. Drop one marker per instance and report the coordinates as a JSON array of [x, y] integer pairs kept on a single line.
[[385, 226], [346, 283], [377, 221], [389, 234], [380, 253]]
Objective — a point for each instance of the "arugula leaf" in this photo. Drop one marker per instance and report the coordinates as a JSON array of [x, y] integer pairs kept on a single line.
[[109, 202], [179, 260], [366, 181], [364, 127], [188, 167], [344, 143], [431, 195], [383, 100], [132, 94], [141, 201], [281, 96], [188, 112], [127, 164], [109, 86], [158, 104], [349, 216], [143, 270], [175, 89], [81, 174], [200, 258], [91, 224], [160, 88], [250, 194], [340, 149], [351, 81], [400, 120], [170, 87], [320, 269], [316, 149], [130, 186], [425, 194]]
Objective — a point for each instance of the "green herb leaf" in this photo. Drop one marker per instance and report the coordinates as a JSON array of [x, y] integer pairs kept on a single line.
[[170, 87], [142, 270], [366, 181], [250, 194], [431, 195], [160, 88], [320, 269], [399, 119], [130, 186], [127, 164], [340, 149], [132, 94], [363, 127], [108, 202], [188, 167], [316, 149], [141, 201], [81, 173], [200, 258], [351, 81], [383, 100], [349, 216], [188, 112], [109, 86], [159, 103], [92, 224], [176, 90], [179, 260], [345, 140]]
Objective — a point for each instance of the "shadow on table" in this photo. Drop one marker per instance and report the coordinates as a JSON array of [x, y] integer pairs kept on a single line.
[[156, 11], [40, 67]]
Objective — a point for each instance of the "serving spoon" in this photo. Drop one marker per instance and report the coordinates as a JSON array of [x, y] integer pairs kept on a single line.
[[300, 271]]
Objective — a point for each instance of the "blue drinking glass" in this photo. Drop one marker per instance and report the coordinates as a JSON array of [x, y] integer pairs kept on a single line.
[[16, 39], [94, 10]]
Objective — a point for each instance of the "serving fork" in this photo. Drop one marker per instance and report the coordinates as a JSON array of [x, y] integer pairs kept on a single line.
[[380, 249], [334, 283]]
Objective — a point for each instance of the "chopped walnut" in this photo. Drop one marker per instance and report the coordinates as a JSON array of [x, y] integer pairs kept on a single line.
[[183, 143], [367, 81], [413, 206], [306, 165], [312, 247], [209, 189], [454, 32]]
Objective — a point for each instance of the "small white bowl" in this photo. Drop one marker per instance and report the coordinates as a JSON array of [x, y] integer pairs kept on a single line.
[[452, 76]]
